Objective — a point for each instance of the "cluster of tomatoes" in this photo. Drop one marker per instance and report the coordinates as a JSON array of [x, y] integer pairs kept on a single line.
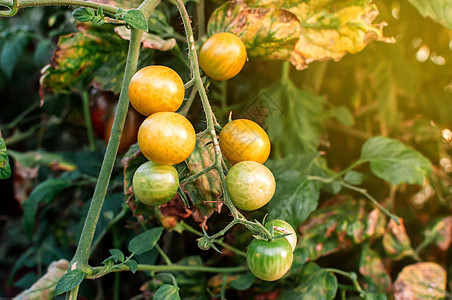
[[167, 138]]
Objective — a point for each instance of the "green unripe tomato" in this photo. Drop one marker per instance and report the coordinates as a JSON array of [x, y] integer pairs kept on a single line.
[[155, 184], [251, 185], [281, 227], [269, 260]]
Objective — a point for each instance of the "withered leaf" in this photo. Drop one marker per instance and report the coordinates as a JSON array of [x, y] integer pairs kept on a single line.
[[424, 280]]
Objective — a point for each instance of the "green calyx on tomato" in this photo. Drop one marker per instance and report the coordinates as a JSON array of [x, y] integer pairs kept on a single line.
[[155, 184], [251, 185], [269, 260], [280, 227]]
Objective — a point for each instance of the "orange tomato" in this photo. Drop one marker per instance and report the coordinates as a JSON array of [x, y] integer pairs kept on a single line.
[[242, 140], [155, 89], [222, 56], [166, 138]]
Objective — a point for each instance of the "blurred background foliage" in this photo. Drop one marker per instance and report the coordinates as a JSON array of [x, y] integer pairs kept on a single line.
[[318, 119]]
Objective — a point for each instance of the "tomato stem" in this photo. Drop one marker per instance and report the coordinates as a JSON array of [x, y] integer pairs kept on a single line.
[[80, 259], [211, 121], [100, 271], [30, 3]]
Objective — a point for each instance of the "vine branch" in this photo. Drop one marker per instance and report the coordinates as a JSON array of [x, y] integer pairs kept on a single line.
[[15, 5], [210, 120], [101, 271]]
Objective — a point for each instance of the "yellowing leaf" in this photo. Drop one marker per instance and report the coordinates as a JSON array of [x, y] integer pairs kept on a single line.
[[423, 280], [331, 36], [44, 287], [300, 31], [266, 32]]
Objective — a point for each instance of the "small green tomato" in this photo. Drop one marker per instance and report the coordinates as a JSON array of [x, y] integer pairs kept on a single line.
[[155, 184]]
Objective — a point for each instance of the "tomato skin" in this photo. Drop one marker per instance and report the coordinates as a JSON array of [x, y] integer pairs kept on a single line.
[[269, 260], [166, 138], [281, 227], [155, 89], [222, 56], [242, 140], [130, 131], [155, 184], [251, 185]]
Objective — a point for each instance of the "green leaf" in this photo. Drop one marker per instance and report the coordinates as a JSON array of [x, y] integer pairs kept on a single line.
[[373, 271], [317, 283], [135, 18], [45, 191], [83, 14], [69, 281], [145, 241], [12, 49], [117, 255], [167, 292], [132, 264], [5, 168], [297, 127], [354, 177], [244, 281], [337, 227], [439, 10], [344, 116], [295, 198], [391, 160]]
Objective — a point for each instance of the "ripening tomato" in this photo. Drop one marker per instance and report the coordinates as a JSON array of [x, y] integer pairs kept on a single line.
[[130, 131], [242, 140], [269, 260], [222, 56], [166, 138], [251, 185], [156, 88], [281, 227], [155, 184], [101, 105]]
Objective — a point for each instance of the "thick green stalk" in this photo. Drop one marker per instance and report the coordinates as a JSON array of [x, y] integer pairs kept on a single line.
[[82, 254]]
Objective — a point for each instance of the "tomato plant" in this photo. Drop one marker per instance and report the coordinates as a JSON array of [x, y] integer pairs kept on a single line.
[[251, 185], [354, 143], [156, 89], [269, 260], [222, 56], [166, 138], [281, 227], [242, 140], [155, 184]]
